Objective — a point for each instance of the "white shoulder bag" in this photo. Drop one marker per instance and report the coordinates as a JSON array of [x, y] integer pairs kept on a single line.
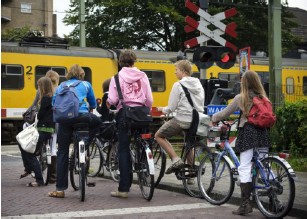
[[28, 137]]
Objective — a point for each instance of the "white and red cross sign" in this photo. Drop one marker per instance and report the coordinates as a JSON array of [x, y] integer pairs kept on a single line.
[[207, 33]]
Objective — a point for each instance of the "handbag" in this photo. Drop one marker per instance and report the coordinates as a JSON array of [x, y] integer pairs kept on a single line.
[[29, 115], [136, 116], [28, 137], [200, 121]]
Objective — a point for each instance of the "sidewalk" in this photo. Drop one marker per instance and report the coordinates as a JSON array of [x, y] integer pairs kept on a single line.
[[170, 183]]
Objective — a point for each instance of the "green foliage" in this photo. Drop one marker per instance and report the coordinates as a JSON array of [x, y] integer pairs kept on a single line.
[[289, 133], [298, 164], [159, 24], [14, 34]]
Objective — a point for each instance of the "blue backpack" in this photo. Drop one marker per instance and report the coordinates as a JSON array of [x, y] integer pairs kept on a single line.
[[66, 104]]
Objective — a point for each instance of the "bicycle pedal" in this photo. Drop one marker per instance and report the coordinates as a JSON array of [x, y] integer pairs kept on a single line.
[[91, 184]]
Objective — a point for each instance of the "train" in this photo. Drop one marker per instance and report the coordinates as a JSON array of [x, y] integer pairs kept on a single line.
[[23, 64]]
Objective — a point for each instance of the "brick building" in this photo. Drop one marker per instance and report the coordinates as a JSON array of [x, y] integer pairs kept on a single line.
[[37, 14]]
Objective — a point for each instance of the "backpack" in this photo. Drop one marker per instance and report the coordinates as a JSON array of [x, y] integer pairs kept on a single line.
[[66, 104], [261, 114]]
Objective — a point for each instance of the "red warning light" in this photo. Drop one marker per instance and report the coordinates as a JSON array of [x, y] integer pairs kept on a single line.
[[225, 58]]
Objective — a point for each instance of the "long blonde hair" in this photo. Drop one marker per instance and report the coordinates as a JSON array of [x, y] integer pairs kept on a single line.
[[250, 82], [55, 78], [75, 71], [45, 87]]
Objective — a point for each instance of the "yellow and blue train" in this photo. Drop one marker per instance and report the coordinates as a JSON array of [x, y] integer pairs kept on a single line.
[[23, 65]]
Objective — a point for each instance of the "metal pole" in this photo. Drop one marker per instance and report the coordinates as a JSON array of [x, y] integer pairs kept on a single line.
[[82, 23], [203, 5], [275, 69]]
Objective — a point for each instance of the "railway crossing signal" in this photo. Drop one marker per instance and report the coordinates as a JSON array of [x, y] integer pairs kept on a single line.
[[207, 34], [204, 57]]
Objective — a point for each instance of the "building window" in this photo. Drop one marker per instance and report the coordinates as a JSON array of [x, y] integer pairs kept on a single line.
[[25, 8], [290, 85], [156, 80], [12, 77]]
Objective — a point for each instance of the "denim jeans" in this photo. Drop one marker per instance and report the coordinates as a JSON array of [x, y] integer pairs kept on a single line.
[[65, 138], [31, 160], [125, 163]]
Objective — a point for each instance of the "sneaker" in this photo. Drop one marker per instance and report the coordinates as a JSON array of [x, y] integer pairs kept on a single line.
[[177, 165], [191, 181], [119, 194]]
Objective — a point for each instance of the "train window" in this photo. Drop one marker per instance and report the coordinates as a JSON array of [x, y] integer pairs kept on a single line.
[[264, 76], [41, 71], [88, 74], [12, 77], [232, 78], [156, 80], [196, 75], [305, 86], [289, 85]]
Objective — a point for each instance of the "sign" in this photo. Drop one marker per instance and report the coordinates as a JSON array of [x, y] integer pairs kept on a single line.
[[207, 33], [212, 109], [244, 60]]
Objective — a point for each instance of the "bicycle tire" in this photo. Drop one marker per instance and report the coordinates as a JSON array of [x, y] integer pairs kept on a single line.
[[45, 167], [82, 180], [159, 158], [188, 173], [277, 200], [113, 162], [73, 170], [96, 158], [216, 189], [145, 179]]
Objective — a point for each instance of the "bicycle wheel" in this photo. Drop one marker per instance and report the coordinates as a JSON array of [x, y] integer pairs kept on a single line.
[[96, 158], [113, 162], [44, 165], [74, 169], [276, 200], [145, 179], [215, 179], [159, 158], [192, 158]]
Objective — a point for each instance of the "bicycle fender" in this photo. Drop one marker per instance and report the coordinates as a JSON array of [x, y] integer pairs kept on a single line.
[[290, 169], [151, 164], [227, 160]]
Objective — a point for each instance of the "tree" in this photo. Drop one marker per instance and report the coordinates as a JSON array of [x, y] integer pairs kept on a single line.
[[159, 24], [14, 34]]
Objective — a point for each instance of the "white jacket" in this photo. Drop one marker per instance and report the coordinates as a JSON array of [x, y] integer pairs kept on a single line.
[[178, 102]]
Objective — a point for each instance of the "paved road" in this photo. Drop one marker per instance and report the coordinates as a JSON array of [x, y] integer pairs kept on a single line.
[[19, 201]]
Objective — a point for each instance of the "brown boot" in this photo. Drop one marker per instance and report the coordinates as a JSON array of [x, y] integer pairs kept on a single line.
[[245, 206], [52, 178]]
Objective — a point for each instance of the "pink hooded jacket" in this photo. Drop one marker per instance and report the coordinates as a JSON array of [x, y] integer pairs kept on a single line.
[[135, 88]]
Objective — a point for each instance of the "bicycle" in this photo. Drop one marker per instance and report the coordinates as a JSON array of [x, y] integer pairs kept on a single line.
[[103, 152], [193, 151], [142, 162], [79, 159], [272, 177], [44, 159]]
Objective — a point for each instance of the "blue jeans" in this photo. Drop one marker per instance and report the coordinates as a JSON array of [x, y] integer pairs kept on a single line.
[[31, 160], [125, 163], [64, 137]]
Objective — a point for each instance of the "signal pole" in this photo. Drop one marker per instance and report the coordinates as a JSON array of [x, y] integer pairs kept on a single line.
[[203, 4], [275, 69], [82, 23]]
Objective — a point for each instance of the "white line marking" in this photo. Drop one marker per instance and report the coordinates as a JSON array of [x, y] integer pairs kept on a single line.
[[120, 211]]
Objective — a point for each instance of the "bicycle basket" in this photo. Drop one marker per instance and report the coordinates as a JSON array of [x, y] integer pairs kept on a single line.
[[107, 130]]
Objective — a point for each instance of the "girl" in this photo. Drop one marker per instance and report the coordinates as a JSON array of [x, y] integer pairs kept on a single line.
[[45, 127]]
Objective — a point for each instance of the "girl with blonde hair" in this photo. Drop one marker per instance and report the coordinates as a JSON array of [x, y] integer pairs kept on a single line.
[[249, 136]]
